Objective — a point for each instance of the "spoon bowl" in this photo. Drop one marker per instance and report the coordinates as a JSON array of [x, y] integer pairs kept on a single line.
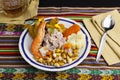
[[108, 23]]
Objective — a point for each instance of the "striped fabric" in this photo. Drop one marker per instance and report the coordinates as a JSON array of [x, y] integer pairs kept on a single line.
[[13, 64]]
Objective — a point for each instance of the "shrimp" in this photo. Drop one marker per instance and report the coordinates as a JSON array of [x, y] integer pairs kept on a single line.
[[37, 41]]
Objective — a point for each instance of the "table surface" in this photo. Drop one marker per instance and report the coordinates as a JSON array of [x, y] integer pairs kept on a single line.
[[13, 66]]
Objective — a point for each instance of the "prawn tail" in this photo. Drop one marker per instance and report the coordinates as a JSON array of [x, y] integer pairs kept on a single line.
[[35, 50]]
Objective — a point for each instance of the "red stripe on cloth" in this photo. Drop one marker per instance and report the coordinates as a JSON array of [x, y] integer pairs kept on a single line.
[[9, 53], [92, 54], [94, 46], [94, 49], [13, 46]]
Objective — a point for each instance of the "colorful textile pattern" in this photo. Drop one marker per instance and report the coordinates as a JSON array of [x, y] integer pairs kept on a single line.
[[72, 74], [14, 67]]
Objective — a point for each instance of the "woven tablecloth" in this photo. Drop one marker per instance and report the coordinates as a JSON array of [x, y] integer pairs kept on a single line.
[[13, 66]]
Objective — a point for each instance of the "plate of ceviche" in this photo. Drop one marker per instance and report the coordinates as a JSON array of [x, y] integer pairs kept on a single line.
[[54, 44]]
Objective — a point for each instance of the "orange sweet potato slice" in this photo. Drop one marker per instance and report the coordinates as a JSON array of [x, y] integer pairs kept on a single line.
[[73, 29]]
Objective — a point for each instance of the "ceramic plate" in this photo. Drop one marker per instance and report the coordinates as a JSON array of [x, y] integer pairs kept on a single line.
[[25, 43]]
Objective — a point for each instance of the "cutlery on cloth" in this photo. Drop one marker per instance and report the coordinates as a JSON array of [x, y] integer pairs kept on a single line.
[[108, 23]]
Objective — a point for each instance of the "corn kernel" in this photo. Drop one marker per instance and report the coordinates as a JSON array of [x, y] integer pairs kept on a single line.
[[40, 60], [70, 54], [58, 54], [74, 58], [56, 65], [76, 54], [60, 58], [75, 50], [61, 63], [54, 55], [53, 61], [49, 59], [64, 55], [56, 59], [64, 61], [69, 60], [62, 51], [57, 50]]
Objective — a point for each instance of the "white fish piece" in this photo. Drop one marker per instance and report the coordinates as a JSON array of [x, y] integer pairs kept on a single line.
[[80, 35], [43, 50], [73, 43], [80, 43]]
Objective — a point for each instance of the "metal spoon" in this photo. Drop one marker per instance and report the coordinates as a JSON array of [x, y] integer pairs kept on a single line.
[[108, 23]]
